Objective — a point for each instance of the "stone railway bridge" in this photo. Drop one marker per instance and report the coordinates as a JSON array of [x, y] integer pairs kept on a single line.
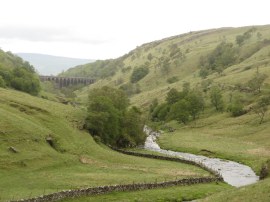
[[67, 81]]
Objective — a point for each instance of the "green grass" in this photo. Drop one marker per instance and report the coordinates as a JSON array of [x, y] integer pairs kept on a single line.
[[75, 161], [240, 139], [198, 44], [178, 193], [256, 192]]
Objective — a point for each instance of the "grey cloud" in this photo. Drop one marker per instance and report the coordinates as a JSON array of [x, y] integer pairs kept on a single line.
[[44, 34]]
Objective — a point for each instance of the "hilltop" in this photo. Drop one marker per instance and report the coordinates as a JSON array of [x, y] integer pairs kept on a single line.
[[175, 60]]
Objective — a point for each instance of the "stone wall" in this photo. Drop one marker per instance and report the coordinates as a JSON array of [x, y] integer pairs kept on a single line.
[[167, 158], [129, 187], [107, 189]]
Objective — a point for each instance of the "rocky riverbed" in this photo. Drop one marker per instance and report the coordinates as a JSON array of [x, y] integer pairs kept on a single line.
[[233, 173]]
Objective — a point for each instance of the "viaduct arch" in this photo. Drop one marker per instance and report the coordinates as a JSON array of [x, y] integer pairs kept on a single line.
[[67, 81]]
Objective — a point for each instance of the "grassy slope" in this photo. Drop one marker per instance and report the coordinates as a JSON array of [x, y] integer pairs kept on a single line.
[[181, 193], [241, 139], [75, 161], [256, 192], [193, 45], [209, 133]]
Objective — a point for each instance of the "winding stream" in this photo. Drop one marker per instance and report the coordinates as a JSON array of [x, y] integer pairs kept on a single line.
[[233, 173]]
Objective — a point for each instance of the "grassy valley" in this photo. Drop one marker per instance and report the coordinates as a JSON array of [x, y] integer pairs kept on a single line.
[[44, 146], [228, 58], [44, 149]]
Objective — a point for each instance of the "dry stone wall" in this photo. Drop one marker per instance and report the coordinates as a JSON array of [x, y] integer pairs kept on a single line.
[[128, 187], [107, 189]]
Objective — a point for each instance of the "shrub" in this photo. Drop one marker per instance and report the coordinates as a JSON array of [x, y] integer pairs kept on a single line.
[[2, 82], [236, 109], [172, 79], [138, 74]]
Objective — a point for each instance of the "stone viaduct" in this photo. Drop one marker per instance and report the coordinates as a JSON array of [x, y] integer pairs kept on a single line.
[[67, 81]]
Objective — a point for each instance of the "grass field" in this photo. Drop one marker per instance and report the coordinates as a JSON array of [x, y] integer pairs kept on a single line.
[[74, 160], [256, 192], [240, 139], [179, 193]]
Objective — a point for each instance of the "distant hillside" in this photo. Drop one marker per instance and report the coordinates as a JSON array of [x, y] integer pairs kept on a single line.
[[51, 65], [150, 70]]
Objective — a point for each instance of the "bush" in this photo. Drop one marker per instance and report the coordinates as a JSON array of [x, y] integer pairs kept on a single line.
[[2, 82], [130, 89], [172, 79], [138, 74], [25, 80], [236, 109]]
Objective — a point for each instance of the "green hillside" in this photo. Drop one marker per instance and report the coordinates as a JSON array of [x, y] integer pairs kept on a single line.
[[175, 60], [230, 59], [18, 74], [44, 149]]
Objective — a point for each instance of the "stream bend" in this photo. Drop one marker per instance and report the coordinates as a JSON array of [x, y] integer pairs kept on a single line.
[[233, 173]]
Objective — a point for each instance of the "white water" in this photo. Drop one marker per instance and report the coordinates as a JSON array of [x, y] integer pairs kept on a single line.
[[233, 173]]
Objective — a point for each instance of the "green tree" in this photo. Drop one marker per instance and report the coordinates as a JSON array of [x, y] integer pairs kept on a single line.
[[196, 104], [223, 56], [261, 108], [133, 131], [165, 65], [109, 119], [172, 96], [24, 79], [216, 98], [236, 108], [180, 111], [160, 113], [2, 82], [103, 120], [240, 40], [138, 74], [256, 82], [150, 57]]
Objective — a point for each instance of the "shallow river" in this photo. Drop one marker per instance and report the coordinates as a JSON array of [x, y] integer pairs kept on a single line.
[[233, 173]]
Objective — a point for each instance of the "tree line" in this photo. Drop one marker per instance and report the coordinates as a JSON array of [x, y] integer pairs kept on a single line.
[[17, 74]]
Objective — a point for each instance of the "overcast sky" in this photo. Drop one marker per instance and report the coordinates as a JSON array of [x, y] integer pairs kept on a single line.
[[101, 29]]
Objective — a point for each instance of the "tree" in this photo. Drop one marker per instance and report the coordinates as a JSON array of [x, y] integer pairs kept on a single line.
[[138, 74], [236, 108], [165, 66], [180, 111], [24, 79], [160, 112], [2, 82], [261, 107], [240, 40], [223, 56], [172, 96], [150, 57], [109, 119], [256, 82], [103, 119], [133, 132], [196, 104], [216, 98], [186, 87]]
